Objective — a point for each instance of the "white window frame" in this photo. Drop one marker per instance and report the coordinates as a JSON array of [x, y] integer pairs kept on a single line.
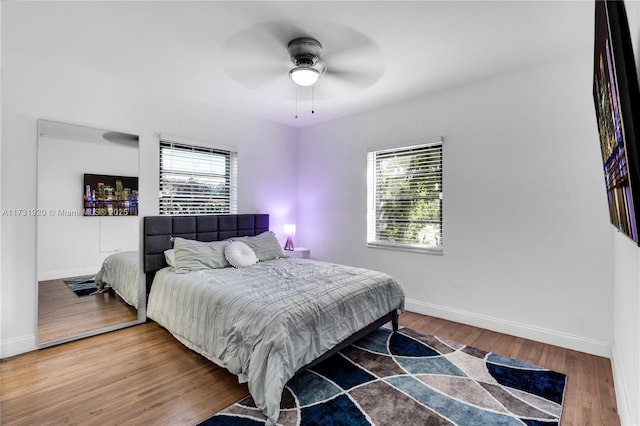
[[231, 171], [374, 239]]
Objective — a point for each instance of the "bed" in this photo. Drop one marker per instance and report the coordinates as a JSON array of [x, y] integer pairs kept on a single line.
[[120, 272], [267, 321]]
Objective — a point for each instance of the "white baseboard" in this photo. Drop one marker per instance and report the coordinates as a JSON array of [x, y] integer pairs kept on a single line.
[[66, 273], [539, 334], [622, 396], [17, 346]]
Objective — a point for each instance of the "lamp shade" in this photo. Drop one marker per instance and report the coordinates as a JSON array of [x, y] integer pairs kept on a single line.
[[289, 230], [304, 75]]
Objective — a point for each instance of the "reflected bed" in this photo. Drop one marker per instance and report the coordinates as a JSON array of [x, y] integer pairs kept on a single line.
[[120, 272]]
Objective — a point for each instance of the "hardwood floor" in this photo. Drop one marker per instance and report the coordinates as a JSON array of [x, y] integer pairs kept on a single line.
[[142, 375], [62, 314]]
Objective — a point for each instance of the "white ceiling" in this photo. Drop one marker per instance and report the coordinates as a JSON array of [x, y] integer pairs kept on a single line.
[[207, 51]]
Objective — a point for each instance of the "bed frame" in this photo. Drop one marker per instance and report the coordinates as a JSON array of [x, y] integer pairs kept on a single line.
[[158, 231]]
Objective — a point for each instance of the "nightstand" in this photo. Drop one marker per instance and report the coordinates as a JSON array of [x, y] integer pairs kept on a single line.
[[298, 252]]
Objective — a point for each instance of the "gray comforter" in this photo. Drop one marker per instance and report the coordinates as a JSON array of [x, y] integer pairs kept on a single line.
[[265, 322], [120, 272]]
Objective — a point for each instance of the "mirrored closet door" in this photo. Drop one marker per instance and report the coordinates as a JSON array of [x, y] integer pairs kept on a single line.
[[88, 232]]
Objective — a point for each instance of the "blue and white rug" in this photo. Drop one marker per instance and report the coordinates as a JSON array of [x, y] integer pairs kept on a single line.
[[82, 286], [408, 378]]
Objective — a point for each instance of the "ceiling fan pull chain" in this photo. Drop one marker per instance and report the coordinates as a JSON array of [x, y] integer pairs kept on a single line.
[[296, 101], [312, 92]]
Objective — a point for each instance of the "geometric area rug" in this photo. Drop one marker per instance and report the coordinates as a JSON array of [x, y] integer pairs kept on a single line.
[[82, 286], [408, 378]]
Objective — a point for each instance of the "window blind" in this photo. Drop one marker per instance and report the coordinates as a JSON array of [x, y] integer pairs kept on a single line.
[[404, 189], [197, 180]]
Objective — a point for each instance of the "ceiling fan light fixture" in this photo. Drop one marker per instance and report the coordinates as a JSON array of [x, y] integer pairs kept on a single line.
[[304, 75]]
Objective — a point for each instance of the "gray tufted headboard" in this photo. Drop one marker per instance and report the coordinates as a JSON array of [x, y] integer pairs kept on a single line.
[[158, 231]]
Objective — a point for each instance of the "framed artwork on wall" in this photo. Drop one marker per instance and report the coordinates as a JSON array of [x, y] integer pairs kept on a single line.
[[617, 102]]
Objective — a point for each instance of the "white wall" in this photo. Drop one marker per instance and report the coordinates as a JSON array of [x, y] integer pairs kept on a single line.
[[527, 240], [626, 303], [1, 132], [626, 337], [33, 89]]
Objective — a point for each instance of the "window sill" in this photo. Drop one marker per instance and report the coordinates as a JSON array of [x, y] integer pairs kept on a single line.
[[425, 250]]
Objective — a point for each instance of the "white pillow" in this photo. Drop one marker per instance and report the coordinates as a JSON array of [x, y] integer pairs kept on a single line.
[[192, 255], [240, 255], [170, 257]]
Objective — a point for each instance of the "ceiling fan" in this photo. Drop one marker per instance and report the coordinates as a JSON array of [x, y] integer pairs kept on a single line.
[[270, 57], [305, 54]]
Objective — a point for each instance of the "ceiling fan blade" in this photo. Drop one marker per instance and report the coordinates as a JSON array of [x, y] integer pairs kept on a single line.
[[253, 48], [354, 62], [256, 77], [356, 48], [282, 32], [359, 77]]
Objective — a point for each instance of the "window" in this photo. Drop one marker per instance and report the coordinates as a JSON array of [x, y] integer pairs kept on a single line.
[[196, 180], [404, 197]]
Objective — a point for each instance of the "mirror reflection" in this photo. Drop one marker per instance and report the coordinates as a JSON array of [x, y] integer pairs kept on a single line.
[[88, 231]]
